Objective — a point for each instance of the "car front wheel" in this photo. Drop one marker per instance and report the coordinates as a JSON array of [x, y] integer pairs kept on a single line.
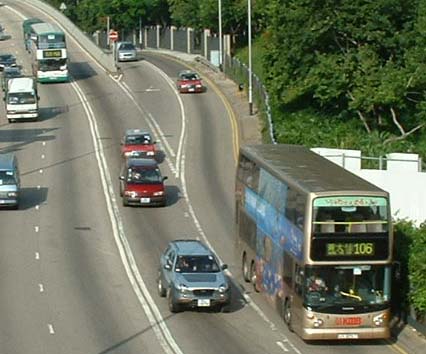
[[173, 306], [161, 291]]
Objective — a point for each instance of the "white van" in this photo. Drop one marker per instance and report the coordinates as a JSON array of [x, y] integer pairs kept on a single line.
[[21, 99]]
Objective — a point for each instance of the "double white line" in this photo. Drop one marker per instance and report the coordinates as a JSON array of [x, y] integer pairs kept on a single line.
[[151, 310]]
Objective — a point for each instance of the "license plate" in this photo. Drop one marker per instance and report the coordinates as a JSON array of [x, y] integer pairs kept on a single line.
[[2, 201], [347, 336], [191, 90], [203, 302], [145, 200]]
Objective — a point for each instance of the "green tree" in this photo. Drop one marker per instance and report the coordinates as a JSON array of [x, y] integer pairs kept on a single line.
[[351, 59]]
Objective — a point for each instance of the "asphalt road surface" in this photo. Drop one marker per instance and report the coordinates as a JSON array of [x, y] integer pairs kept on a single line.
[[77, 270]]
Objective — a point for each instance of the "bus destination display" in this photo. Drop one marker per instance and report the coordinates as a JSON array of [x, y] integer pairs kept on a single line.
[[56, 53], [339, 249]]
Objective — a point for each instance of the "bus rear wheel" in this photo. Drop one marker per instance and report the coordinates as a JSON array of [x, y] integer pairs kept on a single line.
[[245, 269], [253, 276], [287, 315]]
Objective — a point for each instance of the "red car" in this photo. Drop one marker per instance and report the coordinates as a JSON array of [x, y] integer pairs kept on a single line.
[[141, 183], [189, 81], [137, 143]]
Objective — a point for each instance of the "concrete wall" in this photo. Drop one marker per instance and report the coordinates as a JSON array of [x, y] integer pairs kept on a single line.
[[401, 177], [104, 59]]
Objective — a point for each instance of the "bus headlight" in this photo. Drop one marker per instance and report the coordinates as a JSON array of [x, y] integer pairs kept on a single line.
[[380, 319], [12, 194], [318, 323], [150, 153]]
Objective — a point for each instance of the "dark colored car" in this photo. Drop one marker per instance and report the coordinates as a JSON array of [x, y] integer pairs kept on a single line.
[[9, 72], [7, 60], [137, 143], [141, 183], [189, 82], [190, 275]]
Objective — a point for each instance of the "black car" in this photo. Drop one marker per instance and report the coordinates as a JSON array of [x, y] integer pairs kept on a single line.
[[9, 72], [7, 60]]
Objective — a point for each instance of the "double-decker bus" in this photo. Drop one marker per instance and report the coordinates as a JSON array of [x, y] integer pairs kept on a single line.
[[27, 30], [316, 240], [49, 53]]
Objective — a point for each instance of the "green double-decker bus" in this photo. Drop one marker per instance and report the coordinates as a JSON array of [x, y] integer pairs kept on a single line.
[[49, 53]]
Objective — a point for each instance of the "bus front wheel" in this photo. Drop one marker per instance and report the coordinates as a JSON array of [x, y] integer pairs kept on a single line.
[[287, 314], [245, 269]]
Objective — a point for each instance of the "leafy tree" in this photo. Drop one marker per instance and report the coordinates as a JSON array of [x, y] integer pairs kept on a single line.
[[350, 59]]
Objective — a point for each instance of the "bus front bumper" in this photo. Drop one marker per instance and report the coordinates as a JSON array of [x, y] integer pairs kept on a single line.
[[345, 333]]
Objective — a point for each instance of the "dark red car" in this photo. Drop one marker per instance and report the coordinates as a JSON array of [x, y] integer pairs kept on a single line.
[[138, 143], [189, 81], [141, 183]]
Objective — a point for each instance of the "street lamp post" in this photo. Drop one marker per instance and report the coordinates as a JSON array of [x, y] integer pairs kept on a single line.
[[250, 61], [220, 34]]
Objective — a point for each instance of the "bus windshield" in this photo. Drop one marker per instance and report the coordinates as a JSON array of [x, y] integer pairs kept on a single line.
[[52, 64], [327, 286]]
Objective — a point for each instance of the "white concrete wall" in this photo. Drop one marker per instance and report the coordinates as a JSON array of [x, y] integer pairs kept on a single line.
[[402, 179]]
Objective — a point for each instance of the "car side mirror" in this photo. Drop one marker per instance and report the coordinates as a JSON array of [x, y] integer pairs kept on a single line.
[[167, 266], [224, 266], [165, 177], [38, 98], [122, 178]]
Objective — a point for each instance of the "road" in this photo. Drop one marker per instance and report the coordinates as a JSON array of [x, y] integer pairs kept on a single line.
[[77, 269]]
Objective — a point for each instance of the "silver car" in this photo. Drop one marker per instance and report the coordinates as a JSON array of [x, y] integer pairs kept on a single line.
[[190, 276], [126, 51]]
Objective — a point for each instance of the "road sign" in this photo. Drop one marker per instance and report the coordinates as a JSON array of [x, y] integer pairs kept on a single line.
[[63, 7], [113, 35]]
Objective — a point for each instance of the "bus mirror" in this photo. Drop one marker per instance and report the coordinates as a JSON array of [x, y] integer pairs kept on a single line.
[[224, 266]]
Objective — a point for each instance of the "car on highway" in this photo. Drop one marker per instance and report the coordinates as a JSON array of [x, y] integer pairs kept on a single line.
[[4, 36], [189, 81], [190, 276], [8, 73], [7, 60], [9, 181], [126, 51], [138, 143], [141, 183]]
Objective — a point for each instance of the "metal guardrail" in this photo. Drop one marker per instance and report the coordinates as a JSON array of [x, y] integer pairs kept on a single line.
[[104, 59]]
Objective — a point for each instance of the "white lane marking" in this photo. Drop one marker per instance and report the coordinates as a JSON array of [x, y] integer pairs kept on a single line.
[[151, 89], [36, 229], [282, 346], [43, 143], [183, 116], [41, 170], [51, 329], [38, 187], [41, 287], [157, 322], [286, 340], [37, 255], [15, 11], [37, 207], [43, 156]]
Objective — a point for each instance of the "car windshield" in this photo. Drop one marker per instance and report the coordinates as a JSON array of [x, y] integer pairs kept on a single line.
[[7, 58], [347, 285], [7, 177], [196, 264], [144, 176], [21, 98], [189, 77], [138, 139], [127, 46]]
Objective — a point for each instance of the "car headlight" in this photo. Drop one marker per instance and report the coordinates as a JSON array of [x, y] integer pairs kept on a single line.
[[198, 86], [150, 153], [223, 288], [130, 194], [182, 288], [128, 153], [12, 194], [158, 193]]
